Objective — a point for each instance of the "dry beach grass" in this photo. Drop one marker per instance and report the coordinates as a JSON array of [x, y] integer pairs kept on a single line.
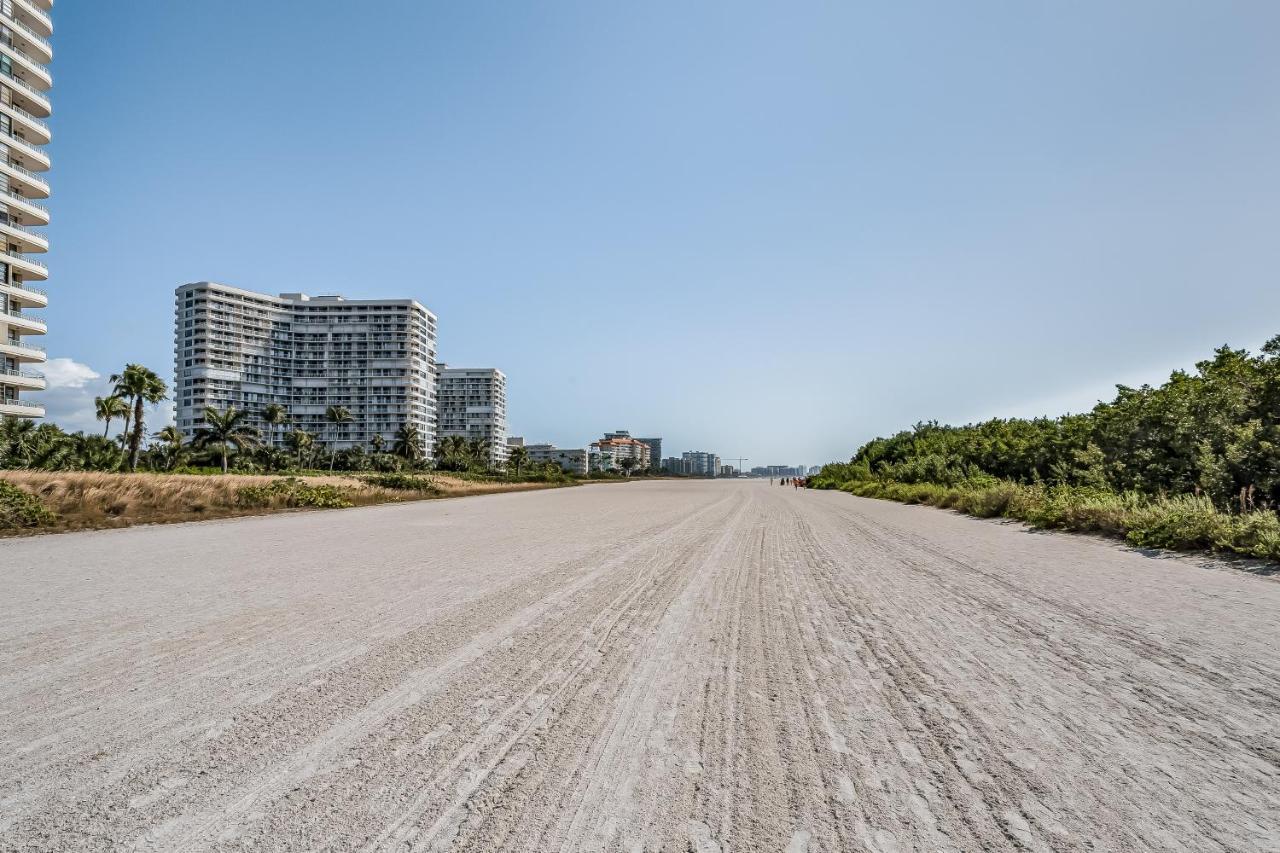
[[95, 500]]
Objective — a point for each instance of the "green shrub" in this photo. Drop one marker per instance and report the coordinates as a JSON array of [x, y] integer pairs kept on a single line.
[[1184, 523], [292, 492], [21, 510], [403, 482], [1257, 534]]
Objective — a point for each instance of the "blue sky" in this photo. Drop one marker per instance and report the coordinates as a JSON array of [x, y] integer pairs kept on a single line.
[[766, 229]]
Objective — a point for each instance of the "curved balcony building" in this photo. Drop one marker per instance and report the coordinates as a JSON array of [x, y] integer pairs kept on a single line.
[[25, 28], [374, 357]]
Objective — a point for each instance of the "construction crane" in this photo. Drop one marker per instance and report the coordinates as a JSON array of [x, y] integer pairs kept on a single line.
[[739, 460]]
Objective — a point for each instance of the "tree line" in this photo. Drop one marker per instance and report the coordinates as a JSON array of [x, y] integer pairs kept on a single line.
[[1212, 432], [229, 440]]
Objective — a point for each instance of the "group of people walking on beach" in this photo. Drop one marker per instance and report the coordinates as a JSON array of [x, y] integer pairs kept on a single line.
[[794, 482]]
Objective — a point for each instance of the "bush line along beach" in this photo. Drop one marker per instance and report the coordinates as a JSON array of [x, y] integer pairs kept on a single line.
[[1193, 464], [53, 480]]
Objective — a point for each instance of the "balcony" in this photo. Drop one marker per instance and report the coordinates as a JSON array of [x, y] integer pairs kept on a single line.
[[22, 321], [29, 379], [20, 409], [28, 40], [34, 17], [35, 127], [32, 185], [26, 96], [25, 239], [22, 150], [32, 297], [22, 351], [29, 268], [27, 68], [25, 206]]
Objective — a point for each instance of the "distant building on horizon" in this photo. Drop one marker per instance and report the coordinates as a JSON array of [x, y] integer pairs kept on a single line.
[[701, 463], [573, 461], [779, 471], [374, 357], [472, 403], [608, 453], [655, 452]]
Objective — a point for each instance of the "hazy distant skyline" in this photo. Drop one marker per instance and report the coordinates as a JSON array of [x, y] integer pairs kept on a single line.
[[759, 229]]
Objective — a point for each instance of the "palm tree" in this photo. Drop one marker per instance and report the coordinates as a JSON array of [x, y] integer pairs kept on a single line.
[[627, 464], [336, 415], [478, 451], [408, 443], [378, 442], [299, 441], [223, 429], [19, 440], [140, 385], [108, 409], [95, 453], [174, 448], [61, 454], [451, 452], [275, 415], [518, 457]]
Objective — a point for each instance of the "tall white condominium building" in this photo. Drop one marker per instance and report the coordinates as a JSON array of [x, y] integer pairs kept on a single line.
[[375, 357], [24, 104], [473, 404]]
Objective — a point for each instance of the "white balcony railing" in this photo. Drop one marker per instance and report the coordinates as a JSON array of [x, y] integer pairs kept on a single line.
[[18, 256], [22, 404], [38, 14], [23, 346], [35, 236], [31, 91], [19, 285], [38, 122], [25, 317], [25, 172], [24, 200], [26, 148], [28, 32]]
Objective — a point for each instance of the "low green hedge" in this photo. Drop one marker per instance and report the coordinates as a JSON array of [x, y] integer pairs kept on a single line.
[[403, 482], [1181, 523], [20, 510], [292, 492]]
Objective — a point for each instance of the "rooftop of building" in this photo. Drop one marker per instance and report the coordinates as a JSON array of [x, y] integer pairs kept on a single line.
[[479, 371], [298, 297]]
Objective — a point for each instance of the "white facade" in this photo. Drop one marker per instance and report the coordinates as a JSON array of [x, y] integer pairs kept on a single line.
[[608, 453], [25, 29], [472, 403], [374, 357], [574, 461]]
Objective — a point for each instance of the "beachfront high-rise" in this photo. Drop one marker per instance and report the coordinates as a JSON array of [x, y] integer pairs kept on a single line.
[[473, 404], [375, 357], [25, 29]]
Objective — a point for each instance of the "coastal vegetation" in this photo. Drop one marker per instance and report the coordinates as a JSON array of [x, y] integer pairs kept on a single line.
[[54, 501], [1192, 464], [53, 479]]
